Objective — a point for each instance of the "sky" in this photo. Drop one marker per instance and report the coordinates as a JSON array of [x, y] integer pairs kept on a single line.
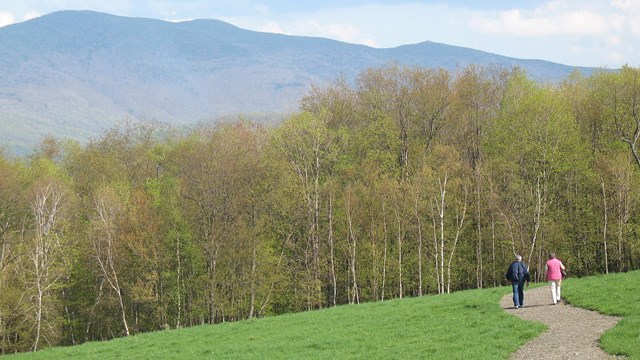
[[598, 33]]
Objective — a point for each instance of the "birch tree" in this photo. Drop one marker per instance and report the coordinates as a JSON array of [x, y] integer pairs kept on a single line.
[[536, 153], [305, 142], [46, 259], [448, 191], [624, 107], [107, 245], [13, 208]]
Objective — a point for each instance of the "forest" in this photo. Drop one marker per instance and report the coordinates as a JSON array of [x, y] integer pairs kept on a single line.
[[402, 182]]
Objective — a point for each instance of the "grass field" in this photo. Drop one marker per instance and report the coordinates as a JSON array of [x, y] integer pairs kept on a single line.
[[463, 325], [613, 294]]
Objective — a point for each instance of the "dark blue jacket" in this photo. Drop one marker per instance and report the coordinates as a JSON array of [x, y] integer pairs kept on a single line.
[[517, 272]]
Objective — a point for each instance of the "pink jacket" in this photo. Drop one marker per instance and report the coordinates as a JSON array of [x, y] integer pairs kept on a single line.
[[553, 269]]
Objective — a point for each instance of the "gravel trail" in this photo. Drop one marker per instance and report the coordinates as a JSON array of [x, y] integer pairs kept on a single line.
[[573, 333]]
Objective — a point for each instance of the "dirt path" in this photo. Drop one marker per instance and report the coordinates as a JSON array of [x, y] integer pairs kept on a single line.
[[573, 333]]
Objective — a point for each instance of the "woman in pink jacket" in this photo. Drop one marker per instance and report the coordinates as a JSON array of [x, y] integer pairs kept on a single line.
[[554, 269]]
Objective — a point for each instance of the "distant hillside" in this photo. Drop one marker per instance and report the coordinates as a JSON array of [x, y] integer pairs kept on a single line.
[[75, 73]]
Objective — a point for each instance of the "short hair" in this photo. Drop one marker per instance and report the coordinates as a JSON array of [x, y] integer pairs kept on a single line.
[[518, 258], [552, 255]]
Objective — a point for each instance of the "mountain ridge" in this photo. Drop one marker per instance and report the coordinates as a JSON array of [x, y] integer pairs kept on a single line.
[[76, 73]]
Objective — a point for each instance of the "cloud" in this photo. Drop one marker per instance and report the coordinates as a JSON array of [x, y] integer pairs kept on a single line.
[[561, 18], [317, 25], [178, 20], [31, 15], [6, 18], [520, 23], [616, 57], [343, 32], [576, 32], [272, 27], [627, 5]]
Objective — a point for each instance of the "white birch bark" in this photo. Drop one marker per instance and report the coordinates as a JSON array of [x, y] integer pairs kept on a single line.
[[104, 245], [46, 209]]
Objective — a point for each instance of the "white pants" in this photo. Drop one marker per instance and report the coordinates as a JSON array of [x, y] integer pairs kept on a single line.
[[555, 290]]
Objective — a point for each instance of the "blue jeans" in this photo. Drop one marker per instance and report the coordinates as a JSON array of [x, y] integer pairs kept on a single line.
[[518, 293]]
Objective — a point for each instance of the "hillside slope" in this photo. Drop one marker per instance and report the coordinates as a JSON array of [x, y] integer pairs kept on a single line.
[[467, 324], [75, 73], [461, 325]]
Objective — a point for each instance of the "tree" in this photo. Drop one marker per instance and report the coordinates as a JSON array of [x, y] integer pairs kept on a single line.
[[47, 263], [14, 209], [406, 182], [306, 142], [446, 188], [386, 92], [478, 96], [223, 181], [107, 244], [431, 96], [624, 107], [536, 153]]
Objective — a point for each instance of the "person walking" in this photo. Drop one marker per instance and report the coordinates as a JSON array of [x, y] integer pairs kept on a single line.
[[554, 269], [518, 273]]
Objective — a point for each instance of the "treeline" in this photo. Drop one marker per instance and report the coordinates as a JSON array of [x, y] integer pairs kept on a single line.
[[406, 181]]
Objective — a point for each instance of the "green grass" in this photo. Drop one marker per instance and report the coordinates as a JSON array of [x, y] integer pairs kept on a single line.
[[613, 294], [463, 325], [466, 324]]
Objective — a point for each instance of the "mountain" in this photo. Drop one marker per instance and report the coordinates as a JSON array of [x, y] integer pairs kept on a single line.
[[76, 73]]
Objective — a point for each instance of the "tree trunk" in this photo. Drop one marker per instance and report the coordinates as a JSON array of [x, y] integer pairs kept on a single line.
[[46, 211], [400, 240], [441, 213], [436, 248], [334, 279], [493, 250], [479, 250], [316, 226], [419, 225], [384, 255], [355, 297], [179, 283], [538, 216], [254, 258], [459, 225], [604, 229], [252, 295]]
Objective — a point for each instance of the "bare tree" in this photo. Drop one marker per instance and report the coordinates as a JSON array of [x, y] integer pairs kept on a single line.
[[334, 279], [353, 242], [420, 240], [604, 226], [44, 254], [459, 224], [385, 247], [625, 106], [105, 244]]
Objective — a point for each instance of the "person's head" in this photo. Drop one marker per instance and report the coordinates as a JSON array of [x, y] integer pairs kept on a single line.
[[552, 255], [518, 258]]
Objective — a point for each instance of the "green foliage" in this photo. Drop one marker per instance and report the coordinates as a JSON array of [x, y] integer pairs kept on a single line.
[[411, 181]]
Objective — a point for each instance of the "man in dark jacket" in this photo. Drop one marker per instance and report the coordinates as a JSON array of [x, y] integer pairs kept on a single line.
[[518, 273]]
